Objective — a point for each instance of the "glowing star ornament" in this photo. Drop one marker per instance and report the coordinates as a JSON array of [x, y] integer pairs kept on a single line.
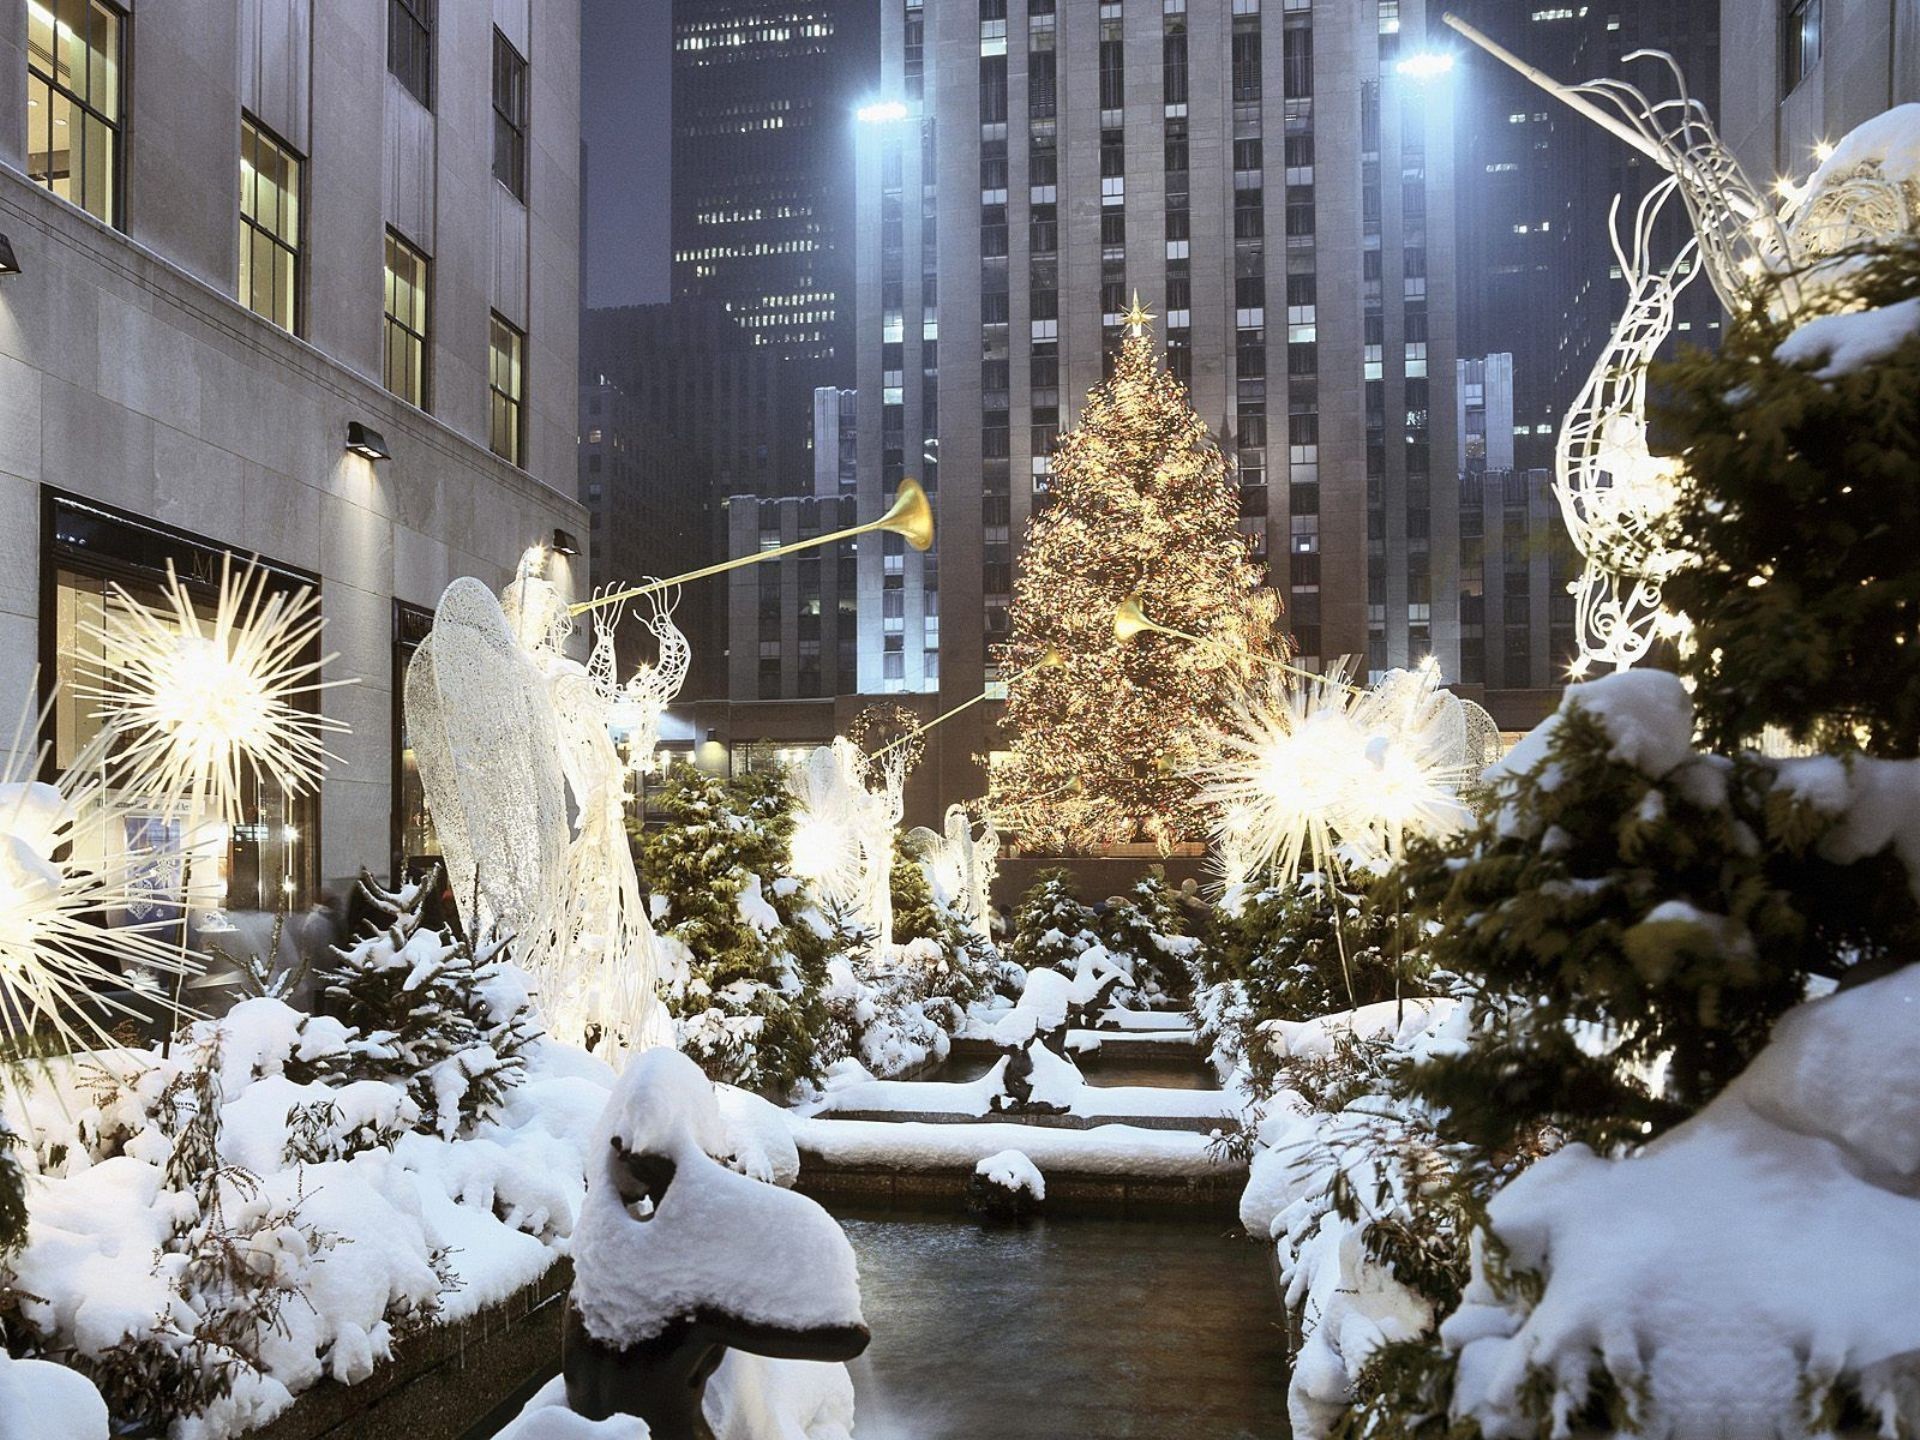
[[831, 814], [1315, 773], [59, 963], [202, 705]]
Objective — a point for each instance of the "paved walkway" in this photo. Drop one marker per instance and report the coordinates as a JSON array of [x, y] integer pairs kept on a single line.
[[1066, 1329]]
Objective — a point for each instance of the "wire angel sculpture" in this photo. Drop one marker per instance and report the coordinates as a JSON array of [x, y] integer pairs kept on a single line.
[[832, 815], [486, 740], [1614, 493]]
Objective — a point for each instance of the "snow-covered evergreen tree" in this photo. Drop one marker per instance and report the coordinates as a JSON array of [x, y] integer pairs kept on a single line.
[[448, 1025], [751, 949], [1052, 928]]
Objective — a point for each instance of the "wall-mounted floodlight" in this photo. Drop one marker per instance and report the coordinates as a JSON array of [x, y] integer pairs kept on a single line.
[[882, 112], [1425, 65], [564, 543], [366, 441], [8, 265]]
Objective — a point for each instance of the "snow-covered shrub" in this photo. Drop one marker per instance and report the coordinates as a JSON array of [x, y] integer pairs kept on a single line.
[[1051, 927], [214, 1231], [1797, 513], [429, 1015], [1146, 932], [1314, 948], [1748, 1273], [747, 949], [1633, 915]]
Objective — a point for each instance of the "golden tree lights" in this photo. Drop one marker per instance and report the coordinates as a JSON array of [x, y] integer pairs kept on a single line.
[[1141, 503]]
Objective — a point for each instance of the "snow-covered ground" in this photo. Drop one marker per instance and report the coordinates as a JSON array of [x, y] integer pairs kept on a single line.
[[399, 1228]]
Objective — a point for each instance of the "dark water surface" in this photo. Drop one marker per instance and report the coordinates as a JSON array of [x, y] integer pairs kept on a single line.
[[1066, 1329]]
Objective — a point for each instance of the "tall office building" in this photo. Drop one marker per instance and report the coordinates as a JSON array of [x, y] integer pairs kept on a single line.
[[296, 281], [650, 513], [1274, 178], [764, 93], [1807, 72], [1538, 276], [1516, 557]]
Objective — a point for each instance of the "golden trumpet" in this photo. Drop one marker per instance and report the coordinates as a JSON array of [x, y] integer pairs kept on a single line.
[[910, 516], [1130, 620]]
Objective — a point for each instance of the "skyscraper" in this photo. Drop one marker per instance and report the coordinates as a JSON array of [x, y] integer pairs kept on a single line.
[[763, 103], [1274, 178], [1810, 77]]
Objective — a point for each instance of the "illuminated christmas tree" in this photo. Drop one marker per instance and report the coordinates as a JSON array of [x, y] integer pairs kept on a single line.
[[1105, 734]]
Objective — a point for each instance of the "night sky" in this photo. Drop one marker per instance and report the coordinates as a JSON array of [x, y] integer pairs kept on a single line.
[[626, 109]]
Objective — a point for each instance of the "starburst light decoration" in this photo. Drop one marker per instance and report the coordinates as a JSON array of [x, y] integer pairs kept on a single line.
[[202, 705], [65, 940], [831, 808], [1314, 772]]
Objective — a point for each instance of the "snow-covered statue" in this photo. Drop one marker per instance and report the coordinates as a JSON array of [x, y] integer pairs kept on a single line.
[[486, 740], [1038, 1076], [678, 1258]]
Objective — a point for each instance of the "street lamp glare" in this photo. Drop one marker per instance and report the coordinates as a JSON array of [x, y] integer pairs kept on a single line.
[[1425, 64], [881, 112]]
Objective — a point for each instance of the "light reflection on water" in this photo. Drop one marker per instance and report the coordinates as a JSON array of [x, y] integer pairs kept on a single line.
[[1085, 1328]]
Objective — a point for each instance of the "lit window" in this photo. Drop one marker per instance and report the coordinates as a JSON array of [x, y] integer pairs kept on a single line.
[[410, 46], [73, 103], [507, 392], [405, 359], [509, 117], [269, 226]]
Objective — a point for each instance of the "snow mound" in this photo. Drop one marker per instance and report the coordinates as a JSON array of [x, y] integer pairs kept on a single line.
[[710, 1239], [1836, 345], [43, 1401], [1012, 1170], [1743, 1273], [1646, 713], [1398, 1021]]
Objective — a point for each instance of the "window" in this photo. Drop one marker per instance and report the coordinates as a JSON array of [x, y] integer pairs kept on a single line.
[[73, 103], [269, 227], [1800, 44], [509, 117], [410, 46], [405, 362], [267, 862], [507, 391]]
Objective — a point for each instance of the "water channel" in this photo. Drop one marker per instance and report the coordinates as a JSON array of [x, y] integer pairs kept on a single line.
[[1092, 1329]]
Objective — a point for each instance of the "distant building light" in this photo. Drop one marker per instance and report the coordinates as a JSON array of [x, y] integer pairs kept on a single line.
[[881, 112], [1425, 64]]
